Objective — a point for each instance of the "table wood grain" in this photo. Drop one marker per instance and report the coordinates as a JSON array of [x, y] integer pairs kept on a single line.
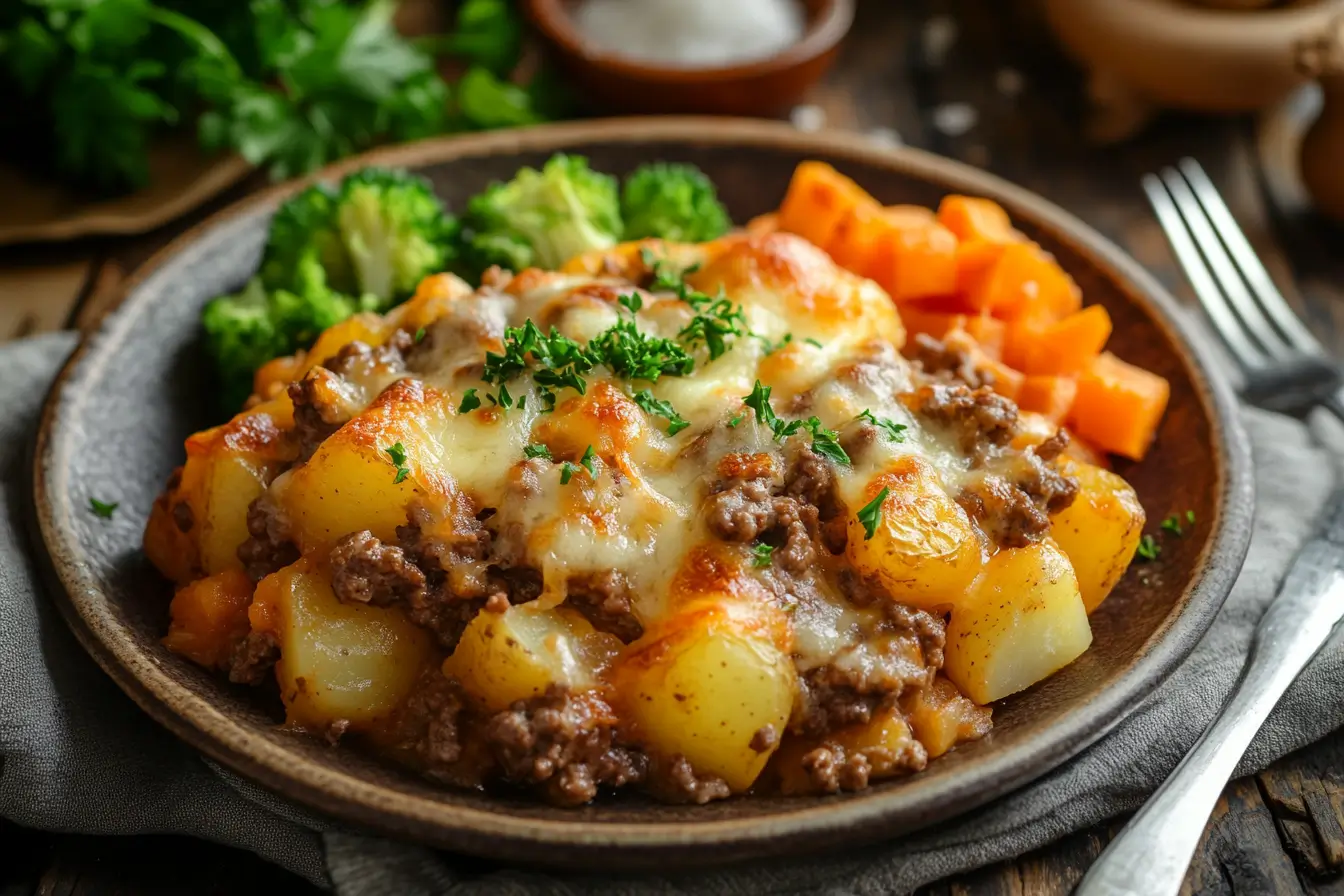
[[977, 80]]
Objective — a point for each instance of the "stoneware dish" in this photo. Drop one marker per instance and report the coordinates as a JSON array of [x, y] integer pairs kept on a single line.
[[621, 84], [116, 417]]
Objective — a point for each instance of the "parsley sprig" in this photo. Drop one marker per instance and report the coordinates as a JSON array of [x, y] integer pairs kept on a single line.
[[761, 555], [397, 452], [825, 442], [658, 407], [103, 509], [895, 431], [541, 451], [587, 462], [1148, 548], [871, 513]]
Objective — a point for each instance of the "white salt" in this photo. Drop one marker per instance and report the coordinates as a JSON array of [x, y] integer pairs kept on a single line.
[[691, 33], [808, 118]]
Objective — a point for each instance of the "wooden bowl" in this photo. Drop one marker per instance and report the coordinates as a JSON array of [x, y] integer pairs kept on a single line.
[[621, 84], [114, 423]]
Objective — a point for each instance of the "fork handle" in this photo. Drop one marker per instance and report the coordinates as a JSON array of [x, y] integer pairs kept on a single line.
[[1152, 853]]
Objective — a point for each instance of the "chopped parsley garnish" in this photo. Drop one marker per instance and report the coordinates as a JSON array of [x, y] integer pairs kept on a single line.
[[469, 402], [566, 472], [871, 513], [587, 461], [895, 431], [665, 277], [103, 509], [1190, 517], [733, 423], [1149, 548], [760, 555], [772, 347], [420, 335], [633, 355], [1173, 524], [503, 400], [824, 441], [810, 341], [522, 402], [633, 302], [561, 362], [715, 320], [398, 455], [537, 451], [658, 407]]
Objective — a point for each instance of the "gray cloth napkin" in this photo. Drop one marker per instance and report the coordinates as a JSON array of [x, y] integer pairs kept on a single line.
[[79, 756]]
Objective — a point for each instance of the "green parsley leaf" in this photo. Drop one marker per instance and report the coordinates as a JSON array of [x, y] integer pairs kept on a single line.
[[657, 407], [871, 513], [895, 431], [1173, 524], [760, 555], [1149, 548], [733, 423], [825, 441], [398, 455], [634, 355], [537, 451], [522, 402], [716, 319], [505, 399], [772, 347], [587, 461], [566, 472], [632, 302], [810, 341], [103, 509], [1190, 517], [420, 335], [664, 276], [469, 402]]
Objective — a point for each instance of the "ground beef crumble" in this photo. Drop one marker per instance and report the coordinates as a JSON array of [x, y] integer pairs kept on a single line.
[[566, 742], [254, 658], [677, 781], [949, 361], [316, 417], [1016, 493], [831, 768], [604, 600], [364, 570], [430, 724], [268, 546], [981, 419]]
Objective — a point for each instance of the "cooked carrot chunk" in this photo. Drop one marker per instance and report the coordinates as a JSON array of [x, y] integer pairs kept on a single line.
[[972, 218], [1119, 406], [818, 198], [854, 241], [1024, 278], [915, 258], [1049, 396], [1068, 346]]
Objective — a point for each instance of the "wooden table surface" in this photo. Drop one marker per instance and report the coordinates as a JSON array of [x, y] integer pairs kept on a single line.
[[977, 80]]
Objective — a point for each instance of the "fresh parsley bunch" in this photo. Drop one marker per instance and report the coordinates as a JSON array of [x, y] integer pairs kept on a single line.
[[288, 84]]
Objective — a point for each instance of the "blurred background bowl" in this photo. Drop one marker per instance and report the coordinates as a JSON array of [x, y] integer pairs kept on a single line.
[[618, 83]]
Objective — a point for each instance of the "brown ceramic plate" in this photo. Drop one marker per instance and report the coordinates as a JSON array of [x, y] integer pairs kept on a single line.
[[115, 421]]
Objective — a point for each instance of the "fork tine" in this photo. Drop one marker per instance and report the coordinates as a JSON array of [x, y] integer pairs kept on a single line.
[[1233, 287], [1290, 326], [1229, 327]]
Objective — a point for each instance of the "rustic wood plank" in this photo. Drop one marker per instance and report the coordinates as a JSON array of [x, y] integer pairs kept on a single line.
[[36, 298], [1241, 854]]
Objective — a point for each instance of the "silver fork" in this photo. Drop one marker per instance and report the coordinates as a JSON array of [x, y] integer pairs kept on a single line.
[[1285, 368]]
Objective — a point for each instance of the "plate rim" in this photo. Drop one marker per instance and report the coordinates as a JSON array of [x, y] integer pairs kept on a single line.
[[817, 821]]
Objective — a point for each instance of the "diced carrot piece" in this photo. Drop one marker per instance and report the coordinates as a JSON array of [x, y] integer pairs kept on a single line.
[[1049, 396], [1119, 406], [1068, 346], [818, 197], [910, 215], [767, 223], [974, 258], [1023, 278], [209, 617], [854, 241], [1021, 334], [1007, 381], [915, 259], [973, 218], [986, 331]]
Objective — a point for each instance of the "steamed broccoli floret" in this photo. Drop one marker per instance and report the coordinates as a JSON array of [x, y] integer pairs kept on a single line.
[[379, 234], [305, 226], [241, 334], [394, 229], [542, 218], [674, 202]]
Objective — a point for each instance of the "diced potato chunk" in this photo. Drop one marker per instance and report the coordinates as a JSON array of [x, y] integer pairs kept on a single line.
[[514, 655], [704, 682], [351, 482], [885, 741], [1025, 622], [338, 661], [943, 718], [209, 617], [1099, 531], [924, 548]]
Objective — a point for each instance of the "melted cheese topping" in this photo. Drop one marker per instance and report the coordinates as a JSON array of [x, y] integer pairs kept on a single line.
[[640, 510]]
